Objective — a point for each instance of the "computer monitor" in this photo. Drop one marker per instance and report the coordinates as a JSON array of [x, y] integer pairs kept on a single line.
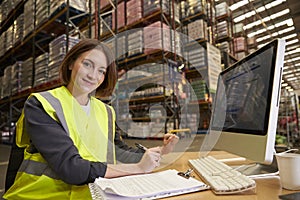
[[245, 109]]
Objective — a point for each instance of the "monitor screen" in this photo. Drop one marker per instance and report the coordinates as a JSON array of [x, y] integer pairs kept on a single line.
[[244, 118]]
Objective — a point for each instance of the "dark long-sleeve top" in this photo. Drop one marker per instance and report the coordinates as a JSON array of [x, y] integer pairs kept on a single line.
[[50, 139]]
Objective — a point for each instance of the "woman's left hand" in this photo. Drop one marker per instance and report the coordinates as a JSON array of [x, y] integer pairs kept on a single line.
[[170, 140]]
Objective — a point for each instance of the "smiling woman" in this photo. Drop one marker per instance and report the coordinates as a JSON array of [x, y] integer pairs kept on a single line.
[[69, 135], [88, 73]]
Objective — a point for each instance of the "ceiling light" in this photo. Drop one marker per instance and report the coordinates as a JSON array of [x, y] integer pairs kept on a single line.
[[292, 60], [238, 4], [289, 36], [289, 76], [266, 19], [286, 30], [251, 13], [274, 3], [292, 47], [292, 52], [291, 42], [275, 34], [292, 79]]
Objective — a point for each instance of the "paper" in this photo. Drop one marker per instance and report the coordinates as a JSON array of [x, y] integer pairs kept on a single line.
[[154, 185]]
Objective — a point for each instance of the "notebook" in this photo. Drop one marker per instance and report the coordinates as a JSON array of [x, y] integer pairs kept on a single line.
[[145, 186]]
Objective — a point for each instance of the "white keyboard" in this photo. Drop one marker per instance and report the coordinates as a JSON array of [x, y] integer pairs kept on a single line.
[[220, 177]]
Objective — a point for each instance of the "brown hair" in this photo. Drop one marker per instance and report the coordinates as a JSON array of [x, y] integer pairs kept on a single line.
[[107, 87]]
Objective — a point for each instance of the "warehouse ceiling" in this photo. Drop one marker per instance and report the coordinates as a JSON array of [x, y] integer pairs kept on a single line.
[[268, 19]]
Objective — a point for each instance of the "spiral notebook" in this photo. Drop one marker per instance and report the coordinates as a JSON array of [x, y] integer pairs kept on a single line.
[[145, 186]]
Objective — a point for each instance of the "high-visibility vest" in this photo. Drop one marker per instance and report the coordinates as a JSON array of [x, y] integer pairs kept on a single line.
[[92, 135]]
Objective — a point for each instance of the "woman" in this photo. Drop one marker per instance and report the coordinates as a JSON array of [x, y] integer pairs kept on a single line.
[[69, 135]]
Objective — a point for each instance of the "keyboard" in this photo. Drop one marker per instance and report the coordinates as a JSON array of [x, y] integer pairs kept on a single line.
[[222, 178]]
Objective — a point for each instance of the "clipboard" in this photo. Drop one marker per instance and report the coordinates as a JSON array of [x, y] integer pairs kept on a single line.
[[145, 186]]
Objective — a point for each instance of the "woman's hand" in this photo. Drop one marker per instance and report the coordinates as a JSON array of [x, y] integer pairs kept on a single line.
[[170, 140], [150, 159]]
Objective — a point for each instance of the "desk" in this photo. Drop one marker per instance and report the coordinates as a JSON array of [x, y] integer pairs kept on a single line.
[[266, 188]]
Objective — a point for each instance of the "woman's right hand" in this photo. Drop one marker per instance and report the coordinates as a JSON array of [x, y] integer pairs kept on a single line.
[[150, 160]]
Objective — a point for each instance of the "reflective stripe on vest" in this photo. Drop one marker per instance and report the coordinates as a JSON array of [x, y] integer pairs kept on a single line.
[[37, 168], [57, 107], [110, 150]]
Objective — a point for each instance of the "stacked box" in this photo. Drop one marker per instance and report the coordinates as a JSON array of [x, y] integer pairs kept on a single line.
[[6, 8], [222, 9], [154, 91], [6, 81], [251, 41], [197, 29], [197, 57], [105, 24], [26, 74], [9, 37], [19, 28], [176, 43], [2, 43], [224, 46], [183, 7], [152, 68], [134, 11], [156, 36], [135, 42], [80, 5], [238, 28], [139, 129], [176, 12], [147, 129], [223, 29], [152, 6], [42, 11], [41, 69], [57, 51], [16, 77], [28, 17], [121, 46], [104, 3], [120, 16], [240, 55], [200, 90], [214, 66], [193, 7], [239, 44]]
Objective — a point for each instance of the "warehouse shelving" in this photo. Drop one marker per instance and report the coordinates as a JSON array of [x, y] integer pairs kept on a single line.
[[129, 62], [63, 20], [288, 119], [68, 20]]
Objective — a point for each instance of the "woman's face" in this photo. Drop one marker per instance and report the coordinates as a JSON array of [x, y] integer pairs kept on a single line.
[[88, 71]]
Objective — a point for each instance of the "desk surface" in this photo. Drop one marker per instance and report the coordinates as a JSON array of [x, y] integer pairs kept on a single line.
[[266, 188]]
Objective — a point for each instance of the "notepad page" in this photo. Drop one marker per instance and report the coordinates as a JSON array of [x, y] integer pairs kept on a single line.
[[146, 185]]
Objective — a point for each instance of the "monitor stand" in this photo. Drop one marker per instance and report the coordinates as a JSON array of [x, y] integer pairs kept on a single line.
[[257, 169]]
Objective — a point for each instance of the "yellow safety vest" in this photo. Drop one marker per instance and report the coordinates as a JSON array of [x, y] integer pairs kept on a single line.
[[35, 179]]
